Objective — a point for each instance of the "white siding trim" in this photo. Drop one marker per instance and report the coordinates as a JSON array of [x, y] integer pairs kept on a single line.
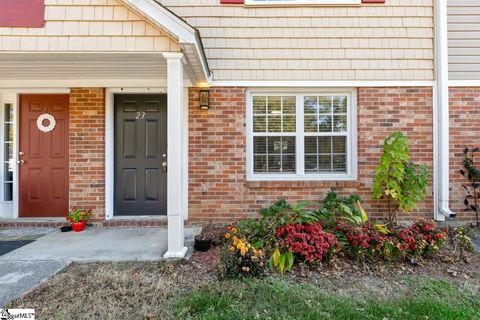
[[299, 2], [464, 83], [321, 84], [110, 141]]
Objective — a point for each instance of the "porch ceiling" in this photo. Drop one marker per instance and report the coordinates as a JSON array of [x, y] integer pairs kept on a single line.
[[84, 66]]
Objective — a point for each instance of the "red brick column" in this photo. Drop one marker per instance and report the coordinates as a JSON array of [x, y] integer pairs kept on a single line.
[[87, 150], [219, 191], [464, 132]]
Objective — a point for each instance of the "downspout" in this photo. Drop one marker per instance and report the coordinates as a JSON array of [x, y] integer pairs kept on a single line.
[[441, 108]]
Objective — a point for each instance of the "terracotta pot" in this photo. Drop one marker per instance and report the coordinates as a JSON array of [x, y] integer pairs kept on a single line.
[[78, 226]]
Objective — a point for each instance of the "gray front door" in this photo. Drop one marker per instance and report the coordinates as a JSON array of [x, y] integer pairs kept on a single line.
[[140, 151]]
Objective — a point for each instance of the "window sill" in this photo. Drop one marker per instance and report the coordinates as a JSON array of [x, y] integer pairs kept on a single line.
[[252, 3], [297, 184]]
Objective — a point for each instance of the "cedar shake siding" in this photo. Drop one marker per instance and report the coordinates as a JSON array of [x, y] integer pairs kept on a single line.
[[464, 39], [376, 41], [93, 26]]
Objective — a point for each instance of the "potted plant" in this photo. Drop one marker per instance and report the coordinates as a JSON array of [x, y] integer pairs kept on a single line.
[[203, 241], [78, 218]]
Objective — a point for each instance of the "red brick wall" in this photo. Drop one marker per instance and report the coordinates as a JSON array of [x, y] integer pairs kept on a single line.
[[218, 190], [464, 132], [87, 150]]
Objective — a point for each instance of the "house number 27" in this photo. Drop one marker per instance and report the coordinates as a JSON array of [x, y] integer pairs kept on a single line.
[[140, 115]]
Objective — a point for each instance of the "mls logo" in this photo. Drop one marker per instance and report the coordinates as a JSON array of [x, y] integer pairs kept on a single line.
[[9, 314], [4, 314]]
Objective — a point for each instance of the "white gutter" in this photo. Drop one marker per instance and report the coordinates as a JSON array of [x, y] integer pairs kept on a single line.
[[441, 108]]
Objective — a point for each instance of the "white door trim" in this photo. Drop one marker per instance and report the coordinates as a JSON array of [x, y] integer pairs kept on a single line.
[[110, 142]]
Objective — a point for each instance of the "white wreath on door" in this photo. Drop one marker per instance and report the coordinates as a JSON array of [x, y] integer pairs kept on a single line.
[[51, 122]]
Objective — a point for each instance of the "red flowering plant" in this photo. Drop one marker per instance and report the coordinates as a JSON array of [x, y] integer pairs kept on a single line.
[[360, 242], [428, 238], [305, 241], [79, 215]]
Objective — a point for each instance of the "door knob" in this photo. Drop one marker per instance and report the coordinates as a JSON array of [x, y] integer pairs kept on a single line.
[[20, 162], [21, 153], [164, 165]]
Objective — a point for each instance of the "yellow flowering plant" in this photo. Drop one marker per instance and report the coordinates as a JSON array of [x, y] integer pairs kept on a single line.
[[240, 258]]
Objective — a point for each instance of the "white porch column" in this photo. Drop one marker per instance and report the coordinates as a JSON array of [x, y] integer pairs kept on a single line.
[[175, 132]]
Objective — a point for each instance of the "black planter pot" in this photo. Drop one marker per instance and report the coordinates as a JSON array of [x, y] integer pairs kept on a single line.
[[202, 244]]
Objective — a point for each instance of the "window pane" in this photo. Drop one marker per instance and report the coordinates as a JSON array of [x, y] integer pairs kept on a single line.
[[340, 123], [259, 105], [339, 163], [311, 164], [260, 163], [8, 132], [7, 161], [325, 104], [259, 124], [8, 192], [310, 105], [274, 163], [274, 154], [325, 123], [310, 124], [340, 145], [288, 163], [289, 105], [325, 163], [8, 177], [311, 145], [340, 104], [289, 124], [259, 145], [325, 145], [274, 123], [274, 105], [8, 113]]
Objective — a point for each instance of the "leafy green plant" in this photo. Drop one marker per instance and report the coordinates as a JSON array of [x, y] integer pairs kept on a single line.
[[348, 208], [282, 260], [472, 173], [397, 179]]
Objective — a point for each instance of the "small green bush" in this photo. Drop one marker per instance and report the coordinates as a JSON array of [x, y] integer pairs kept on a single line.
[[397, 179]]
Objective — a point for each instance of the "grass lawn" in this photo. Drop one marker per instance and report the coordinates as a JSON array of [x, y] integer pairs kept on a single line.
[[192, 290], [280, 299]]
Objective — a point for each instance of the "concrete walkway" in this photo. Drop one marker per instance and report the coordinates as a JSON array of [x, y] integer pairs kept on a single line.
[[24, 269]]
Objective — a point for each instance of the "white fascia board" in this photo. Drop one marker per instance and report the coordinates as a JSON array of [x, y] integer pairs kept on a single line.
[[464, 83], [173, 25], [165, 19], [321, 84]]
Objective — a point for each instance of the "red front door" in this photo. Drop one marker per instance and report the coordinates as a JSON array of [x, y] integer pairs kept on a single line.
[[43, 156]]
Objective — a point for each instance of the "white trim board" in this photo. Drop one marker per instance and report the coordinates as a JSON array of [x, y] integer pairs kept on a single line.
[[110, 141], [321, 84], [464, 83]]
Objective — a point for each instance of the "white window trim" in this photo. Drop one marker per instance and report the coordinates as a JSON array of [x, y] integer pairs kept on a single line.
[[300, 2], [351, 174]]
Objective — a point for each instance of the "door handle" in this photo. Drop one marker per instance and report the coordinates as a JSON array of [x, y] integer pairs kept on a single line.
[[164, 165], [21, 162]]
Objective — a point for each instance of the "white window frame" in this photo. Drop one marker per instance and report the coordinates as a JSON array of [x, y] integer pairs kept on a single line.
[[300, 175], [300, 2]]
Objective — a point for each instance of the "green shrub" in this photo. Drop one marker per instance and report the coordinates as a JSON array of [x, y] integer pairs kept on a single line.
[[398, 180]]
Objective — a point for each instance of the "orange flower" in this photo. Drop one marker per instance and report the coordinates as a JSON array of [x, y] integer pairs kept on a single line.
[[234, 230], [232, 248], [229, 227], [227, 235]]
